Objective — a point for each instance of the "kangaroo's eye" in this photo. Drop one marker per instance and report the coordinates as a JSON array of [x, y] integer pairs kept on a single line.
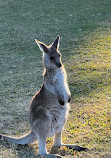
[[51, 58]]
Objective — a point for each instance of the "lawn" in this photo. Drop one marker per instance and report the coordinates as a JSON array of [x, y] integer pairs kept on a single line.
[[85, 30]]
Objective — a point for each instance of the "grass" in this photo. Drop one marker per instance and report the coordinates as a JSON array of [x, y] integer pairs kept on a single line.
[[85, 30]]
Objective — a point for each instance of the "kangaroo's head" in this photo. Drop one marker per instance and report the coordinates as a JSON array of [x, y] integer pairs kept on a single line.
[[51, 54]]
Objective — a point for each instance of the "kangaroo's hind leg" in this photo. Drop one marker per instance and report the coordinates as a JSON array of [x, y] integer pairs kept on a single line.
[[42, 136], [58, 143], [42, 145], [57, 140], [41, 130]]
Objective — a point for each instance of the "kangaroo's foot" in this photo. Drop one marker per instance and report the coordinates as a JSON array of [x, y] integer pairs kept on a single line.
[[74, 147], [49, 156], [58, 143]]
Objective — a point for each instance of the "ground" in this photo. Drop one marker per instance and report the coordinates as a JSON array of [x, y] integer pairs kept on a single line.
[[85, 30]]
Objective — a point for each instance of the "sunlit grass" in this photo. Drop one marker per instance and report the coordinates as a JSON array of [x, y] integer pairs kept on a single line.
[[90, 81]]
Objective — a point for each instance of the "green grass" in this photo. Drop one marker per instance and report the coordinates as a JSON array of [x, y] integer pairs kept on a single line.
[[85, 30]]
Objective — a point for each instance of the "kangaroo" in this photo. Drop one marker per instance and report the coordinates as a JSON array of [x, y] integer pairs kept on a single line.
[[50, 105]]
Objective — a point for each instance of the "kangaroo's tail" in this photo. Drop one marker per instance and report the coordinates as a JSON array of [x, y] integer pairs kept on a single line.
[[26, 139]]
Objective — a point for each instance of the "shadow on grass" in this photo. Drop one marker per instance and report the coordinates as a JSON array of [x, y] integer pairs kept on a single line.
[[20, 151]]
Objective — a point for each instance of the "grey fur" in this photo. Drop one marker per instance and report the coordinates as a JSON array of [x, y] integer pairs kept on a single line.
[[49, 107], [26, 139]]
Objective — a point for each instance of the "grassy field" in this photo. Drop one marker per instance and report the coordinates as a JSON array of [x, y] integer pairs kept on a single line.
[[85, 30]]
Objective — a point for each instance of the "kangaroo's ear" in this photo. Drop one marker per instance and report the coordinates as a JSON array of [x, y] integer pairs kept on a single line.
[[42, 46], [56, 42]]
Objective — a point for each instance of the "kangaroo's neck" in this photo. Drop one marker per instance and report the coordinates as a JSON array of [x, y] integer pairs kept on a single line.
[[50, 76], [55, 80]]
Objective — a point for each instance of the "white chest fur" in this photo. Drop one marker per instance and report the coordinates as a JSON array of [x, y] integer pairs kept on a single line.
[[61, 84], [56, 82]]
